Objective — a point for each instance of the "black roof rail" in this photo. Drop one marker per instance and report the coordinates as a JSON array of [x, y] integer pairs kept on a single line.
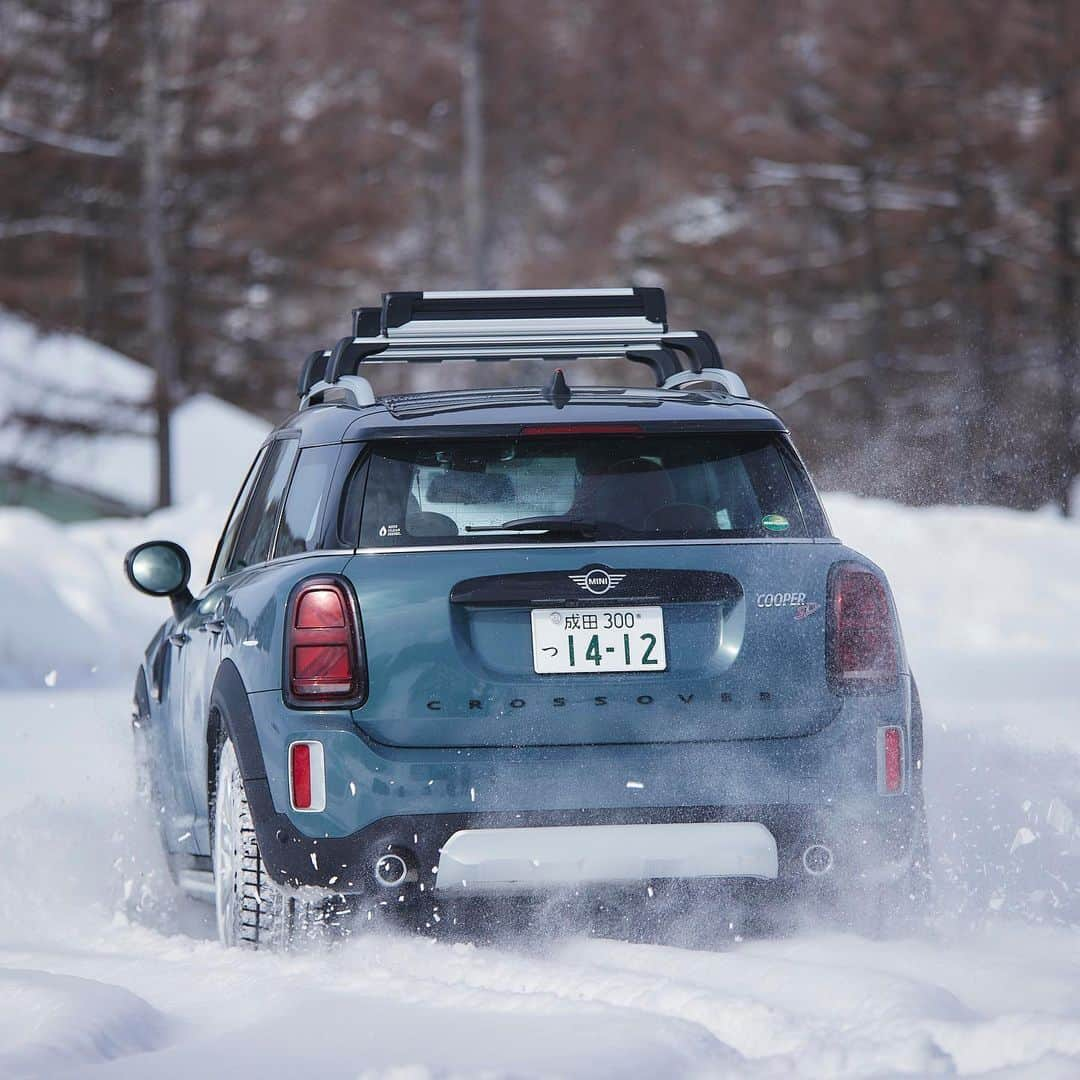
[[699, 347], [366, 321], [346, 355], [313, 371]]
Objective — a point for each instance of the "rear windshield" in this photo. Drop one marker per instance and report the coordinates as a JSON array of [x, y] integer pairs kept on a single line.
[[591, 488]]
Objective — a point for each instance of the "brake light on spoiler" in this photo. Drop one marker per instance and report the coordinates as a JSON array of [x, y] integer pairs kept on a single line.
[[324, 655], [862, 651], [582, 429]]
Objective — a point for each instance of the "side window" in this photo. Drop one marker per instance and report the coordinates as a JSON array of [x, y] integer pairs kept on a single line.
[[304, 504], [228, 537], [264, 508]]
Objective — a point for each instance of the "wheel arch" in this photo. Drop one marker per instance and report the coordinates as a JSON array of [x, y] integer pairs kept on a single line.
[[917, 744], [230, 716], [141, 697]]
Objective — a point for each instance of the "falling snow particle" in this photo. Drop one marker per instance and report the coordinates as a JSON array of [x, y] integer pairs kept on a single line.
[[51, 677], [1023, 837]]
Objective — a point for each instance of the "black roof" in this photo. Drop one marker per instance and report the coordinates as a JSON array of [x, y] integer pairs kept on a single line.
[[502, 411]]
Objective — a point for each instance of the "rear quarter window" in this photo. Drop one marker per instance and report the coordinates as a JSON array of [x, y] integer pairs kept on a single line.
[[308, 492], [264, 509]]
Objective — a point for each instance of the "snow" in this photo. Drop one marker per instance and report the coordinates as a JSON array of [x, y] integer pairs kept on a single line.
[[105, 971], [74, 619], [65, 377]]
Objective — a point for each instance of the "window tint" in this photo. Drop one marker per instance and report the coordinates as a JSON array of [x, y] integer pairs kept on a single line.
[[545, 489], [260, 522], [228, 537], [308, 493]]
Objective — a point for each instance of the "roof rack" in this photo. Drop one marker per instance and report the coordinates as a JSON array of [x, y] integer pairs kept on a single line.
[[557, 325], [706, 379]]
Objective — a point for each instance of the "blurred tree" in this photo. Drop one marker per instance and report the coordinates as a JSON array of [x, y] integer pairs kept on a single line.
[[873, 206]]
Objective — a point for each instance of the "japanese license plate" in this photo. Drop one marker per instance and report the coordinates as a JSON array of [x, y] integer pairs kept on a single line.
[[583, 641]]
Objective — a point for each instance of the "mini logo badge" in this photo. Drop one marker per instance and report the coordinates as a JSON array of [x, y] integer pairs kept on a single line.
[[597, 580]]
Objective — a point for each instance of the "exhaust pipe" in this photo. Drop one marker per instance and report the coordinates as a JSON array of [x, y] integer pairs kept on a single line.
[[817, 859], [395, 868]]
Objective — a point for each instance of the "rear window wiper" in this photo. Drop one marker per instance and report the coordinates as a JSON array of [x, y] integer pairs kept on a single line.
[[587, 530]]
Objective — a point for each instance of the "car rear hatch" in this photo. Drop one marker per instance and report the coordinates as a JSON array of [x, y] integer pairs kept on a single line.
[[585, 590]]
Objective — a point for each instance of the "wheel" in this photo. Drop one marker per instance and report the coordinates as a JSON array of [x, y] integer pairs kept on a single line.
[[147, 792], [252, 911]]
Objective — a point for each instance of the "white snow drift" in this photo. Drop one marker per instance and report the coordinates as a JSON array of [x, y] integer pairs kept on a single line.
[[104, 971], [68, 378]]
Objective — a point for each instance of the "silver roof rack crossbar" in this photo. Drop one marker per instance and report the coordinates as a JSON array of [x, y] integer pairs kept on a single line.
[[556, 325]]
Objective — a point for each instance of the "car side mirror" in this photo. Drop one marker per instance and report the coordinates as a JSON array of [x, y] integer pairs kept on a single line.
[[161, 568]]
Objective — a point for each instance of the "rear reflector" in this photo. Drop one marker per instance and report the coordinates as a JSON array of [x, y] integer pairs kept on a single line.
[[307, 777], [582, 429], [323, 651], [890, 760], [301, 776], [862, 651]]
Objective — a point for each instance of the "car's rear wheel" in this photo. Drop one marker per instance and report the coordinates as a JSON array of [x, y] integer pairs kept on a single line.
[[252, 910]]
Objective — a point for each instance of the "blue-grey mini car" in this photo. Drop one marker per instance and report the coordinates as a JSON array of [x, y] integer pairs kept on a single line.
[[527, 641]]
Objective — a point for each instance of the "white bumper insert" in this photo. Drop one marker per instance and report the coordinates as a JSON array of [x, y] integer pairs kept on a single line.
[[555, 856]]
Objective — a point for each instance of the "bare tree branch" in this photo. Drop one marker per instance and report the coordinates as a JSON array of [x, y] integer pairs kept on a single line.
[[86, 145]]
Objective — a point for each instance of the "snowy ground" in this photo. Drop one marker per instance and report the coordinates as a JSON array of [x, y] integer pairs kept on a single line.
[[104, 971]]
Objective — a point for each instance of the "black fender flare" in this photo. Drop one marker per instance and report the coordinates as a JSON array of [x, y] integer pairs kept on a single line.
[[230, 715], [917, 746], [285, 852]]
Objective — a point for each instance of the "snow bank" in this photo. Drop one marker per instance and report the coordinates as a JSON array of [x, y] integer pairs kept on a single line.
[[65, 377], [133, 971], [989, 600], [50, 1022], [70, 616]]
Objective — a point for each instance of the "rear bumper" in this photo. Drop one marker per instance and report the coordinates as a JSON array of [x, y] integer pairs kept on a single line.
[[770, 847], [813, 789]]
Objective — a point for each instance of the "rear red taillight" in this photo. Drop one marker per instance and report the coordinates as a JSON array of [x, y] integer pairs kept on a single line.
[[307, 776], [890, 760], [322, 644], [862, 650], [582, 429]]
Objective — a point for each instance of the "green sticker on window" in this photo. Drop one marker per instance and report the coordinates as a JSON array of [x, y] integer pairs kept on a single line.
[[775, 522]]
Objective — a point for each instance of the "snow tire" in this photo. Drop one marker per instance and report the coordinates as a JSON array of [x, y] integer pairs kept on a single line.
[[253, 911]]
